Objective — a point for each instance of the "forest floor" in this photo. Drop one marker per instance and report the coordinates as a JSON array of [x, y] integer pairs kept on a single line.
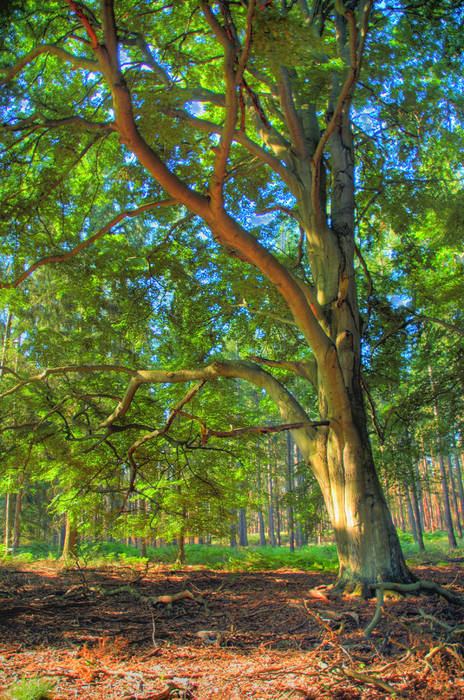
[[241, 635]]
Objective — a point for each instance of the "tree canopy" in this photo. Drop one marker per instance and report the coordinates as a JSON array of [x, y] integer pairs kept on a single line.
[[260, 191]]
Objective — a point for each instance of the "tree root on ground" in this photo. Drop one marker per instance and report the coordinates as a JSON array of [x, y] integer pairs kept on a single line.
[[370, 680], [405, 588], [167, 599]]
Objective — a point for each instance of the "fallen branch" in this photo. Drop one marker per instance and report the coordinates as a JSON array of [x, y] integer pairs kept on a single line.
[[167, 599], [371, 680]]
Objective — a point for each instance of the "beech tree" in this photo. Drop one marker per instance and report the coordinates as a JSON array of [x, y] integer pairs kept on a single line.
[[221, 111]]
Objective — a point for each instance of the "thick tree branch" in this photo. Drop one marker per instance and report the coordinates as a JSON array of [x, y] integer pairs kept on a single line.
[[31, 124], [291, 117], [88, 241], [85, 22], [76, 61], [246, 44], [356, 51], [110, 37], [305, 368], [57, 371], [231, 107]]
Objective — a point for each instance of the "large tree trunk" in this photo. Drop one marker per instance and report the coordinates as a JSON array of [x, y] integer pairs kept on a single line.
[[324, 309], [367, 543]]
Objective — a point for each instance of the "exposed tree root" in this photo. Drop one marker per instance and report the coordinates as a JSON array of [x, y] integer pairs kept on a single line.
[[371, 680], [418, 587], [422, 587], [167, 599]]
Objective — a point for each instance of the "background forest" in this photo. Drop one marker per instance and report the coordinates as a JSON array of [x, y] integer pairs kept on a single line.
[[100, 271]]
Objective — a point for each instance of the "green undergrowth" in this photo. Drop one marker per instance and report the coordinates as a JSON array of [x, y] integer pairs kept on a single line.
[[437, 551], [311, 557], [29, 689]]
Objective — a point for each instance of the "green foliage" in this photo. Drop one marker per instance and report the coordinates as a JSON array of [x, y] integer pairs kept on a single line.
[[157, 291], [436, 549], [30, 689]]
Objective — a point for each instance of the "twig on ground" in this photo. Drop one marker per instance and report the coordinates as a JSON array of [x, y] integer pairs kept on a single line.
[[371, 680]]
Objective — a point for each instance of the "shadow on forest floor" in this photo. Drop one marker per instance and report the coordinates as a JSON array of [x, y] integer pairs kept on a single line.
[[262, 635]]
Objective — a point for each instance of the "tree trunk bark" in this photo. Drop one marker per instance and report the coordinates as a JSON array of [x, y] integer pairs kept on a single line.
[[291, 525], [17, 519], [242, 528], [455, 498], [417, 517], [180, 549], [459, 480], [261, 528], [401, 510], [233, 531], [70, 540], [7, 523], [411, 517], [448, 521], [325, 309]]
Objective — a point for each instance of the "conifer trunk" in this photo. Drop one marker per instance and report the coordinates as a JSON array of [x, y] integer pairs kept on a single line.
[[70, 539], [17, 519]]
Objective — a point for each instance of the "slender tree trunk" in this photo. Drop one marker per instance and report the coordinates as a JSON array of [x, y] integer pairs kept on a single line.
[[70, 539], [444, 481], [455, 497], [270, 507], [277, 512], [233, 531], [411, 518], [17, 519], [401, 510], [180, 549], [448, 521], [261, 528], [291, 526], [417, 517], [417, 492], [242, 528], [7, 523], [459, 483]]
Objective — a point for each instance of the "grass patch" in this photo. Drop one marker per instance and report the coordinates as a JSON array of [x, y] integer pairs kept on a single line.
[[220, 557], [30, 689], [437, 549]]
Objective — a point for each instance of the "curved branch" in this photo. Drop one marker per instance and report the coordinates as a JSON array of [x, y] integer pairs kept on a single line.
[[76, 369], [291, 117], [231, 106], [76, 61], [85, 124], [305, 368], [71, 253]]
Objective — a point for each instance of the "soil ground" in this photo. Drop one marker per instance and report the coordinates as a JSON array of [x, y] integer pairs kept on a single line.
[[246, 635]]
